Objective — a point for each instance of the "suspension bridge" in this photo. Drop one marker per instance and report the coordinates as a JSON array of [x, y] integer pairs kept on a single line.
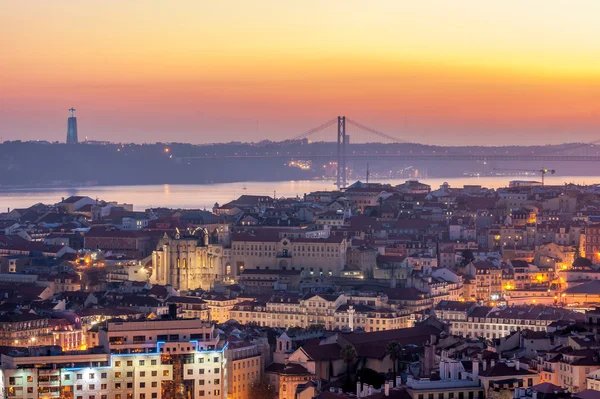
[[396, 148]]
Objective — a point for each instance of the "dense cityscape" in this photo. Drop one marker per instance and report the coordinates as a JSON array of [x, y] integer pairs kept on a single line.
[[334, 199], [372, 291]]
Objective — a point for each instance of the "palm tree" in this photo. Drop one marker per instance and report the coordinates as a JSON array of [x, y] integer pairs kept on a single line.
[[348, 355], [393, 351]]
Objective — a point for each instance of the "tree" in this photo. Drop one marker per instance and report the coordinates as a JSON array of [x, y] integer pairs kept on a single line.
[[370, 377], [261, 389], [380, 202], [467, 257], [577, 251], [348, 355], [394, 351]]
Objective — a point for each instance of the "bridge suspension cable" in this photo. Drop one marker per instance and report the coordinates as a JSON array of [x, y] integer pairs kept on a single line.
[[376, 132], [314, 130]]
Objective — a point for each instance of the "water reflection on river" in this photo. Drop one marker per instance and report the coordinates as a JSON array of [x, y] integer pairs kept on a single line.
[[205, 195]]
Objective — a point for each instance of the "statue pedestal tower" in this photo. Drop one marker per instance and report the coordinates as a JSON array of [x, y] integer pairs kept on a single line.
[[72, 128]]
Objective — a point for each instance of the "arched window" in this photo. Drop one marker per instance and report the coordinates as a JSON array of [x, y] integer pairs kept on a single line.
[[184, 263], [178, 262]]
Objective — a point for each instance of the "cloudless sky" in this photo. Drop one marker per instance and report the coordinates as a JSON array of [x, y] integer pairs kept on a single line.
[[448, 72]]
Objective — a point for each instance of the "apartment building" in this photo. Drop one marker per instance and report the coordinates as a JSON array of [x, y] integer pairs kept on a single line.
[[495, 322], [332, 311], [487, 279], [245, 364], [138, 360], [25, 329], [273, 250], [575, 369]]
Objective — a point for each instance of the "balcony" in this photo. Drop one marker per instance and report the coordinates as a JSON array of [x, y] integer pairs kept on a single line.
[[284, 255]]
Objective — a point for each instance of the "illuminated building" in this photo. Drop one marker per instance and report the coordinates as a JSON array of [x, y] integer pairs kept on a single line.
[[273, 250], [187, 261], [245, 364], [138, 360], [330, 311]]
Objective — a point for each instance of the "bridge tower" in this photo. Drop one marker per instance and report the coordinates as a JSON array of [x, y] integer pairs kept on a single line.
[[342, 140]]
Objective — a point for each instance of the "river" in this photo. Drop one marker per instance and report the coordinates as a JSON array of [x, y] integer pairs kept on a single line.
[[199, 196]]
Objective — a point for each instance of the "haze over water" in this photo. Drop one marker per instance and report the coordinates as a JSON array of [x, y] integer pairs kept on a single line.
[[200, 196]]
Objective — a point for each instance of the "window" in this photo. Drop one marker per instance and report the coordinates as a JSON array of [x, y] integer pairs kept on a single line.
[[79, 387], [117, 374], [154, 373], [154, 384], [103, 386], [217, 370], [129, 385], [79, 376], [153, 362], [165, 373], [67, 377], [92, 387], [190, 372], [103, 375], [142, 396], [92, 375], [216, 359], [129, 363], [117, 364], [142, 362], [142, 385], [154, 395], [201, 393], [130, 374], [117, 385]]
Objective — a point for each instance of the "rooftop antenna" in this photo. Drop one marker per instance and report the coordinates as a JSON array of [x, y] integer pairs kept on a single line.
[[368, 173], [72, 111]]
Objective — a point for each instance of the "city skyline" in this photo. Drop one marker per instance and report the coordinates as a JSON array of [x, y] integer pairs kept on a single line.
[[445, 73]]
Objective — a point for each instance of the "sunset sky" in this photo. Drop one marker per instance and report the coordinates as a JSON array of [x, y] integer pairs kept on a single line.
[[447, 72]]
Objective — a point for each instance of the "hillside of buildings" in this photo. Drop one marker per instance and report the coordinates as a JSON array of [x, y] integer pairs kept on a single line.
[[401, 291]]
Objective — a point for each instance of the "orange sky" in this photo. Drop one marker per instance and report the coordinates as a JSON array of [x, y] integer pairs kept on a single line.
[[434, 71]]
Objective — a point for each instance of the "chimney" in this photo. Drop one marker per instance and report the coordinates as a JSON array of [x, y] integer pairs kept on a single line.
[[387, 388], [358, 389], [398, 380], [369, 390], [484, 365], [432, 339], [517, 364], [534, 394], [493, 363], [443, 371], [475, 370]]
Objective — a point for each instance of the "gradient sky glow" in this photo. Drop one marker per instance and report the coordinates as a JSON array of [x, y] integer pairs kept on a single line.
[[448, 72]]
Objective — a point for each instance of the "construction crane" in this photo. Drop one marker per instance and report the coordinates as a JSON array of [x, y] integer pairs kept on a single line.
[[542, 171]]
